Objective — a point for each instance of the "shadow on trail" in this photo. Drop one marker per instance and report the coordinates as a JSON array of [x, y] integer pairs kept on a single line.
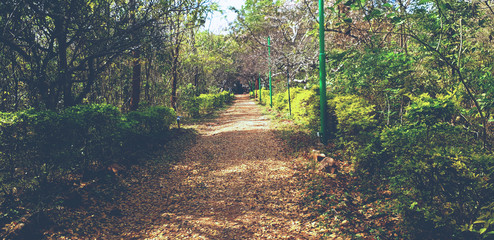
[[234, 183], [238, 187], [124, 202], [230, 179]]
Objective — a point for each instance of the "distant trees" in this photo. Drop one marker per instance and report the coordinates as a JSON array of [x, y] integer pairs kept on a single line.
[[291, 30]]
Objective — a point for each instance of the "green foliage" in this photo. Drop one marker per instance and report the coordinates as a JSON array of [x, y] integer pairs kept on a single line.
[[305, 105], [438, 178], [95, 130], [38, 147], [189, 101], [305, 108], [355, 117], [484, 225], [255, 12], [214, 90], [264, 96], [427, 110], [280, 100], [152, 122], [206, 103], [356, 131], [378, 68]]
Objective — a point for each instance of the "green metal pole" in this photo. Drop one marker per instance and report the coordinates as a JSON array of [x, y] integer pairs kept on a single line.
[[288, 85], [260, 89], [322, 74], [269, 63], [254, 86], [255, 90]]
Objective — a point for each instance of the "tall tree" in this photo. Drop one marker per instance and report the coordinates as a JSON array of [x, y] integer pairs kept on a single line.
[[190, 17], [136, 65]]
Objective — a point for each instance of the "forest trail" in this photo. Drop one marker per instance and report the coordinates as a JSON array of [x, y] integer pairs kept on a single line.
[[234, 182]]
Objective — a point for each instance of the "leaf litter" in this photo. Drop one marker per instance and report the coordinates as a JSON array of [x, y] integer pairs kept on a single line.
[[233, 181]]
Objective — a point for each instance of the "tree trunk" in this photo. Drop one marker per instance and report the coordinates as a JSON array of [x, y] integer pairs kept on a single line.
[[136, 69], [136, 81], [90, 81], [147, 67], [63, 78], [194, 50], [175, 55]]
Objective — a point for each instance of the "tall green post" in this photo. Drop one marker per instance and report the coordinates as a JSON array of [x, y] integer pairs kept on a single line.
[[253, 83], [260, 89], [269, 63], [322, 74], [288, 86]]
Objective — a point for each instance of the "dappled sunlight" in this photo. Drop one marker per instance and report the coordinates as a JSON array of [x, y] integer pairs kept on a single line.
[[237, 118], [231, 170], [235, 183]]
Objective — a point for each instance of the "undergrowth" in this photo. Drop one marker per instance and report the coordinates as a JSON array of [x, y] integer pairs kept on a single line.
[[336, 202]]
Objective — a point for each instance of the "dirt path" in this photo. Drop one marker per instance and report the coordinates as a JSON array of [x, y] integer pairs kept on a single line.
[[234, 183]]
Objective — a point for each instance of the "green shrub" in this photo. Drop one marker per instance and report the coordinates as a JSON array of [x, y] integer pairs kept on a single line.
[[98, 130], [48, 143], [280, 100], [354, 115], [151, 122], [206, 103], [189, 101], [484, 225], [227, 97], [355, 124], [38, 147], [191, 107], [440, 181], [429, 111], [305, 108], [305, 105], [264, 96], [356, 130], [22, 146]]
